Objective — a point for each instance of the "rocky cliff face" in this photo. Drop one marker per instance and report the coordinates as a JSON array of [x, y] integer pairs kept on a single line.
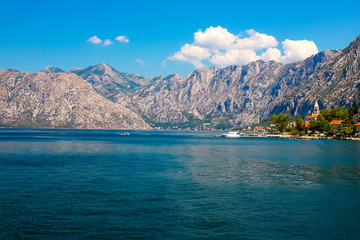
[[59, 100], [108, 81], [149, 98], [238, 95], [51, 69], [333, 80], [247, 94]]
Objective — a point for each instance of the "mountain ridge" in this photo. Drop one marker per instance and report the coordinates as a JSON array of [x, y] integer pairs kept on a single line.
[[237, 94], [51, 69], [59, 100]]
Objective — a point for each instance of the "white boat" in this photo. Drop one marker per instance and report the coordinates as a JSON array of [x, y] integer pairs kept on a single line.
[[232, 134]]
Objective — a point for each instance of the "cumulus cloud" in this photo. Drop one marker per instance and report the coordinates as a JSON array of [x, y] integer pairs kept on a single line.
[[233, 56], [191, 53], [256, 41], [95, 40], [123, 39], [214, 38], [250, 31], [220, 47], [107, 42], [298, 50], [272, 54]]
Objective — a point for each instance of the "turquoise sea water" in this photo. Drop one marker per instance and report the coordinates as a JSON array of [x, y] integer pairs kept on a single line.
[[99, 184]]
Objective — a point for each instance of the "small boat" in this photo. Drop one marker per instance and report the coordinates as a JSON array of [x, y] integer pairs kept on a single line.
[[232, 134], [126, 134]]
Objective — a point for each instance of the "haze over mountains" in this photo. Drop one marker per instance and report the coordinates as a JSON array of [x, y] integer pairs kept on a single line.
[[101, 97]]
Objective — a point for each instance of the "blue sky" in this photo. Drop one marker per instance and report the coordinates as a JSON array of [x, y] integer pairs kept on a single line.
[[36, 34]]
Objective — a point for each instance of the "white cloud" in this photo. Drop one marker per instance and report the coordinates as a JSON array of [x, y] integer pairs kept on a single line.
[[214, 38], [163, 63], [191, 53], [256, 41], [95, 40], [234, 56], [123, 38], [298, 50], [220, 47], [139, 60], [107, 42], [272, 54], [250, 31]]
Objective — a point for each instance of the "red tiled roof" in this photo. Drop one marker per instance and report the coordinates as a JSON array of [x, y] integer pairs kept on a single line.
[[356, 115], [312, 116], [357, 124], [336, 122], [307, 124]]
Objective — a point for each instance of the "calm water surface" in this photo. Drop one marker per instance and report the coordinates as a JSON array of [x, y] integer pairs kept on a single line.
[[99, 184]]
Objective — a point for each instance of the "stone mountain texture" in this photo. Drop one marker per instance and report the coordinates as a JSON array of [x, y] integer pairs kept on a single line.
[[59, 100], [237, 95], [50, 69]]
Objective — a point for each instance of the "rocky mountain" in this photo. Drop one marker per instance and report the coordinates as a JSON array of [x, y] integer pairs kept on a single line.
[[13, 70], [142, 95], [336, 82], [235, 95], [59, 100], [51, 69], [108, 81], [243, 95]]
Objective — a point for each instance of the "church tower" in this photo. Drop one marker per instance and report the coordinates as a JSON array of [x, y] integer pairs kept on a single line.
[[315, 113], [316, 108]]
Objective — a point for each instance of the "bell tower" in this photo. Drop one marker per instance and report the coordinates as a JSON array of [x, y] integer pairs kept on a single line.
[[316, 108]]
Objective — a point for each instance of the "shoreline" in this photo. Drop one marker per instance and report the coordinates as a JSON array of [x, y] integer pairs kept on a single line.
[[252, 135], [310, 137]]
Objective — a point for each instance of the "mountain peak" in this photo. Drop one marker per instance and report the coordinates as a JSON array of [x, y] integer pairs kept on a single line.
[[172, 76], [12, 70], [102, 68], [354, 47], [102, 64], [356, 40], [51, 69]]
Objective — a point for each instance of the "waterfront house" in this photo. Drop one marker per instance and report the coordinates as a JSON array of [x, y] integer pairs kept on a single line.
[[311, 117], [357, 125], [257, 128], [336, 123]]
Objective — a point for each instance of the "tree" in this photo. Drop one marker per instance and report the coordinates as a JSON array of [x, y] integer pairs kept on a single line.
[[300, 124], [344, 131], [314, 125], [355, 106], [339, 114], [331, 132], [324, 124], [353, 110], [281, 121], [293, 130], [326, 114], [320, 124]]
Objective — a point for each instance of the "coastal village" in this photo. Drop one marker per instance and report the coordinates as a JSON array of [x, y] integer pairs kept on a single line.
[[336, 123]]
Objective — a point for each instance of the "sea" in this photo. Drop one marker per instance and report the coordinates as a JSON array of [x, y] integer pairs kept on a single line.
[[102, 184]]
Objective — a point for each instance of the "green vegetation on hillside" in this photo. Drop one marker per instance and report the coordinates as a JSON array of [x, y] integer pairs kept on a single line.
[[322, 123]]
